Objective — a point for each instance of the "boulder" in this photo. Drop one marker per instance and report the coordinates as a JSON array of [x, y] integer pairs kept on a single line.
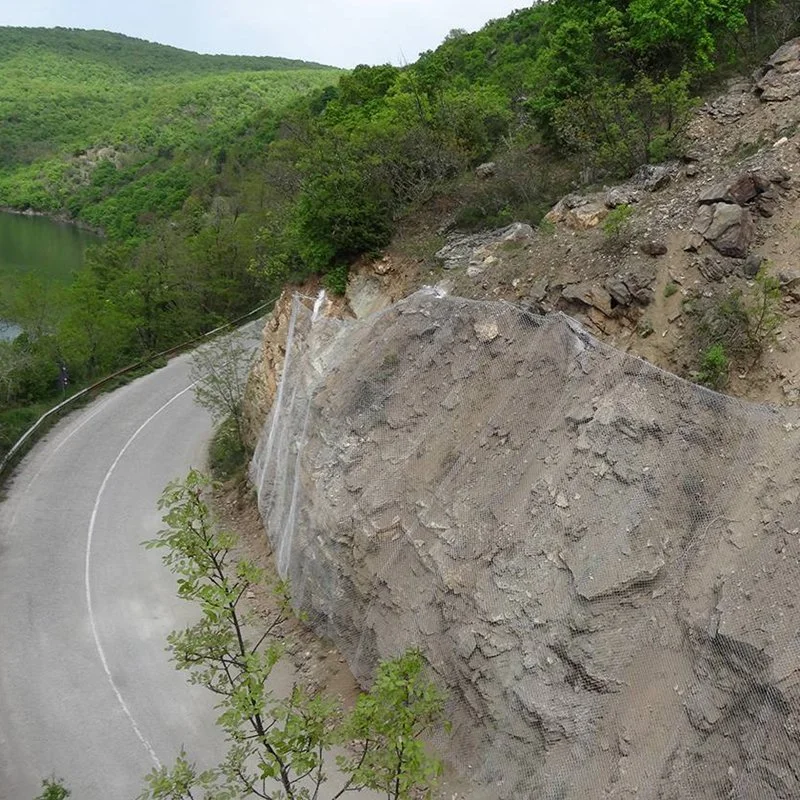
[[752, 265], [652, 177], [586, 217], [731, 231], [486, 171], [619, 292], [620, 197], [714, 269], [741, 191], [781, 78], [767, 203], [654, 247], [589, 294]]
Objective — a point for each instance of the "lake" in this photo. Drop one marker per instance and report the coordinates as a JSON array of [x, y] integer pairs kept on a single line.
[[39, 246]]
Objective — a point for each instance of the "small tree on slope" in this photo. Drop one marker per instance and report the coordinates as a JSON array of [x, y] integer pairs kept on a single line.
[[279, 748]]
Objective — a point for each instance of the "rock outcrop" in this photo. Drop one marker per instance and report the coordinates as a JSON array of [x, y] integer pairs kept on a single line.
[[598, 559], [779, 80]]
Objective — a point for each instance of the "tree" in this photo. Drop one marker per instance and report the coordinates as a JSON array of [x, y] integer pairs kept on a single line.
[[220, 370], [279, 748]]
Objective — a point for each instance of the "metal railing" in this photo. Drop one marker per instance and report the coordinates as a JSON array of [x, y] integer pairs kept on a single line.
[[20, 447]]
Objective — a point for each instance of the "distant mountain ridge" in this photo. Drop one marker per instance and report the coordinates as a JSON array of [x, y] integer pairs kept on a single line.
[[138, 56]]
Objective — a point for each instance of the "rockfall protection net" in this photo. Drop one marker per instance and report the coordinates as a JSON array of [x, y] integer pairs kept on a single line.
[[600, 561]]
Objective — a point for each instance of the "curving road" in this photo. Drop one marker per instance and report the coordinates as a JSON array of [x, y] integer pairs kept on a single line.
[[86, 689]]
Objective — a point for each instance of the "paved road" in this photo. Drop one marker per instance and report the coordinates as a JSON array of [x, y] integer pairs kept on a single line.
[[86, 689]]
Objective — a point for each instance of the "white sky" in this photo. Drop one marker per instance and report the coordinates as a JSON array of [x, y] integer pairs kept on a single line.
[[340, 32]]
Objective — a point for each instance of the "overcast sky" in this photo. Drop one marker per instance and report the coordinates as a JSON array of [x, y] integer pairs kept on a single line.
[[340, 32]]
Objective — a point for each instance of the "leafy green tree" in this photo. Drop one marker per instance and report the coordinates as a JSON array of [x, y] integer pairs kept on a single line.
[[220, 371], [392, 717], [279, 748]]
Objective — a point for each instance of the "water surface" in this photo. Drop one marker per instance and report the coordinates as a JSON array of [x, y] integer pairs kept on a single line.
[[53, 251]]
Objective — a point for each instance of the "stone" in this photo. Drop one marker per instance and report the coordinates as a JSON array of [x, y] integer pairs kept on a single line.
[[654, 247], [652, 177], [619, 292], [731, 231], [694, 243], [486, 171], [586, 216], [714, 269], [780, 176], [786, 56], [752, 265], [460, 250], [589, 294], [620, 197], [767, 203], [486, 331], [741, 191], [777, 87], [691, 171], [703, 219]]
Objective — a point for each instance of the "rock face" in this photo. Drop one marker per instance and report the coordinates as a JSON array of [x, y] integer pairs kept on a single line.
[[780, 80], [599, 560], [262, 384], [463, 251]]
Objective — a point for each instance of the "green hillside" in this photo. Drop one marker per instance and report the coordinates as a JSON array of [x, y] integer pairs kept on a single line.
[[73, 102]]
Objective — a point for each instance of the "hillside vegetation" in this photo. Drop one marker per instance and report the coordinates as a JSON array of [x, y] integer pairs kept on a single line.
[[218, 179]]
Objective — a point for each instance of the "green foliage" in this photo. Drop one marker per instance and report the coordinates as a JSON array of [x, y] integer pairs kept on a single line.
[[53, 789], [401, 705], [278, 747], [227, 455], [670, 289], [219, 371], [617, 224], [618, 126], [742, 324], [336, 280], [714, 367]]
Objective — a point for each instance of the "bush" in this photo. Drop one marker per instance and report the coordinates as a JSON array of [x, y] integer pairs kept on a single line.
[[227, 455], [617, 224], [743, 324], [714, 368], [670, 289], [336, 280]]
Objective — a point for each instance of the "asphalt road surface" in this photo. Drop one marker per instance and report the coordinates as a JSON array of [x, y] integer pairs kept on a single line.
[[87, 692]]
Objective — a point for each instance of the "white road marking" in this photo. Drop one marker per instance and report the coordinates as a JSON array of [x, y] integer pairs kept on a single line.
[[50, 457], [87, 581]]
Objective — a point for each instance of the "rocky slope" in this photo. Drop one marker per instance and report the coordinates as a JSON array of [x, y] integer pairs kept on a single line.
[[598, 558]]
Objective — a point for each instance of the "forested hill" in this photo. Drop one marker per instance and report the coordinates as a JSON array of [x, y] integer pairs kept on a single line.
[[69, 94], [134, 56]]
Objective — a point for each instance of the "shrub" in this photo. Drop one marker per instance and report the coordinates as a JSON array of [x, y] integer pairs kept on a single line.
[[714, 368], [743, 324], [670, 289], [227, 454], [336, 280], [617, 224]]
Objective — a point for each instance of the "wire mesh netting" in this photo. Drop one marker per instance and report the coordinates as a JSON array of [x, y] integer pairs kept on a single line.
[[598, 559]]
